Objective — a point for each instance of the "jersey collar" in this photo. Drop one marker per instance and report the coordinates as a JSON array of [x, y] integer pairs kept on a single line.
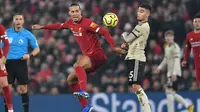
[[16, 31]]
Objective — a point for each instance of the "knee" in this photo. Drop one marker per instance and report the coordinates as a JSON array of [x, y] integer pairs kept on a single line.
[[23, 89], [136, 87]]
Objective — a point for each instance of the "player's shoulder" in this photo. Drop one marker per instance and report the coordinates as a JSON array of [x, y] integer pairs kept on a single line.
[[144, 25], [10, 30], [2, 27], [175, 45], [27, 32], [86, 20], [190, 34]]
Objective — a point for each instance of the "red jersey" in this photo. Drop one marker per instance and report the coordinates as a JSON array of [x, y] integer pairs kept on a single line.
[[86, 34], [4, 39], [193, 41]]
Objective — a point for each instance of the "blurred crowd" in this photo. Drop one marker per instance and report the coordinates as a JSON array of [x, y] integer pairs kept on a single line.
[[59, 50]]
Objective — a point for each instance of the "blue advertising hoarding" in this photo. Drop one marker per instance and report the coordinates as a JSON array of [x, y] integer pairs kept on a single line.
[[103, 103]]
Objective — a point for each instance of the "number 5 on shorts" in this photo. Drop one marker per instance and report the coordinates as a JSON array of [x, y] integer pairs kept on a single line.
[[130, 76]]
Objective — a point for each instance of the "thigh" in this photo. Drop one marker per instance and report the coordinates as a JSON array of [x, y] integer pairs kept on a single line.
[[84, 61], [135, 71], [174, 84], [22, 73], [98, 58], [10, 67]]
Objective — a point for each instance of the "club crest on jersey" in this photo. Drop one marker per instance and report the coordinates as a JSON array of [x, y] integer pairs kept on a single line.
[[93, 25], [191, 39]]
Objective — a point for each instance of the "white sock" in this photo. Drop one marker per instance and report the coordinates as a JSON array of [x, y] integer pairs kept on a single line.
[[170, 102], [181, 100], [10, 111], [142, 97]]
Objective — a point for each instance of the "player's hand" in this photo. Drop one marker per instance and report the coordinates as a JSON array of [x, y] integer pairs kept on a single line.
[[26, 57], [119, 51], [3, 60], [157, 71], [174, 78], [124, 45], [184, 63], [37, 27]]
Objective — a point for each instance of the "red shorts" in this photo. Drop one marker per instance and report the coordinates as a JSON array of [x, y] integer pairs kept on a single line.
[[197, 70], [3, 71], [98, 58]]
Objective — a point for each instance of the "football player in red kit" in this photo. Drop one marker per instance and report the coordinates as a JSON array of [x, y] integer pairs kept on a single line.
[[85, 32], [193, 42], [3, 73]]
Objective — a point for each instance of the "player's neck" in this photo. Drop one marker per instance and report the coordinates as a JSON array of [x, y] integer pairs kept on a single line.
[[18, 29], [142, 21], [197, 31]]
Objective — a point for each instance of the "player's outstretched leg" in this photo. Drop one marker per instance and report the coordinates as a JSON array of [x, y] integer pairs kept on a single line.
[[82, 77], [7, 94], [81, 65], [142, 97], [73, 83]]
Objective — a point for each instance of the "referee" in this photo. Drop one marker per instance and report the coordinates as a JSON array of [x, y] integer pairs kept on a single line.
[[16, 65]]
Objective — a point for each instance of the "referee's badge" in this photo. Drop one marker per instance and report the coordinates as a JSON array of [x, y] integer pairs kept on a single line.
[[10, 40], [20, 41]]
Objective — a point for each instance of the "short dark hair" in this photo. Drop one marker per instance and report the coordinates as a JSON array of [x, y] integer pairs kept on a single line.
[[169, 32], [146, 6], [75, 4], [197, 15], [18, 13]]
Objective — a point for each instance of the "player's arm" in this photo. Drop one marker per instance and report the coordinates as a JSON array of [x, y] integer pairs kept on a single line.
[[135, 33], [5, 41], [34, 45], [56, 26], [93, 27], [176, 59], [187, 49], [163, 63]]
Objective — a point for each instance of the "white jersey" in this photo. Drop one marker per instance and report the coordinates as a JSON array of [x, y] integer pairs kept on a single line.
[[137, 46], [172, 60]]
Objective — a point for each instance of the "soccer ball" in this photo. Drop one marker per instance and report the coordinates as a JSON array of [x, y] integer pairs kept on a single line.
[[110, 20]]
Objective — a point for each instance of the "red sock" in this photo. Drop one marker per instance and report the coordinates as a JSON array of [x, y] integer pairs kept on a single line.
[[82, 77], [8, 97], [75, 87]]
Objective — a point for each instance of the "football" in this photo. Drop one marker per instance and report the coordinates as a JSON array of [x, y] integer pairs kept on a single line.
[[110, 20]]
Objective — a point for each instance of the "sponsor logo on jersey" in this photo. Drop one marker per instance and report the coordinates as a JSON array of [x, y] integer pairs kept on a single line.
[[195, 44]]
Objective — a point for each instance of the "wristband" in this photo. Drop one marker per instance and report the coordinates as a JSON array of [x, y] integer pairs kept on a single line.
[[31, 56]]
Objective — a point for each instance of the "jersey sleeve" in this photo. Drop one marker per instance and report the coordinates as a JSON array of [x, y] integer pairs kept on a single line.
[[57, 26], [5, 41], [93, 27], [187, 49], [135, 33], [33, 41]]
